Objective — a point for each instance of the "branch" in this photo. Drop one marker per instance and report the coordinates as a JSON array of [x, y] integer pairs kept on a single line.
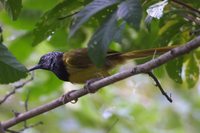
[[191, 18], [159, 86], [16, 88], [27, 127], [95, 86], [186, 6], [113, 124], [1, 128]]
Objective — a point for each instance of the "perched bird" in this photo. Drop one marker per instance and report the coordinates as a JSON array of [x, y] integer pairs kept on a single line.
[[76, 67]]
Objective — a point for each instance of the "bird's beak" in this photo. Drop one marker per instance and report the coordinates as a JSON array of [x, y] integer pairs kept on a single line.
[[34, 68]]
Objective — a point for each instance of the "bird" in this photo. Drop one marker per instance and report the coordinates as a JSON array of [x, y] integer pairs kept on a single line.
[[76, 66]]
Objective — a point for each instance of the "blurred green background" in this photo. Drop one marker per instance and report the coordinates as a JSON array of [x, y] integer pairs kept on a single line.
[[128, 106]]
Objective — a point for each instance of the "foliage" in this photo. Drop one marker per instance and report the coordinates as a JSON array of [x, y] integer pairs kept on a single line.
[[33, 28], [13, 7], [173, 28], [11, 69]]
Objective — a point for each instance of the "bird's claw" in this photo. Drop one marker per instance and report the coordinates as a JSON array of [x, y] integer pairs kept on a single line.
[[87, 85], [67, 97]]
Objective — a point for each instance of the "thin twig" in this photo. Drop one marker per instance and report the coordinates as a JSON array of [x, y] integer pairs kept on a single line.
[[31, 126], [26, 101], [95, 86], [186, 6], [113, 124], [159, 86], [23, 129], [195, 32], [25, 122], [26, 106], [15, 113], [11, 131], [22, 84], [191, 18]]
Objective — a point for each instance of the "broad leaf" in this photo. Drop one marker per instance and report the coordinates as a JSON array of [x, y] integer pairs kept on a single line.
[[13, 7], [131, 12], [174, 69], [64, 43], [88, 11], [50, 21], [197, 55], [119, 33], [169, 31], [10, 69], [191, 72], [99, 43]]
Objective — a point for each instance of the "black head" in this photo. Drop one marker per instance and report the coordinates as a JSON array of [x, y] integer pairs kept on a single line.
[[53, 62], [48, 61]]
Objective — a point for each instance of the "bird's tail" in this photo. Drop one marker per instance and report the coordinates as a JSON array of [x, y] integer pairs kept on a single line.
[[146, 53]]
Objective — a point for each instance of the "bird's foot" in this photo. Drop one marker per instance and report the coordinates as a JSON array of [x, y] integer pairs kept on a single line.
[[87, 85], [67, 96]]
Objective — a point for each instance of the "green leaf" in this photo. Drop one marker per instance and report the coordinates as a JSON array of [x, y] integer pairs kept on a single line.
[[197, 55], [13, 7], [131, 12], [50, 22], [119, 33], [26, 21], [174, 69], [88, 11], [159, 72], [10, 69], [99, 43], [65, 43], [169, 31], [191, 72]]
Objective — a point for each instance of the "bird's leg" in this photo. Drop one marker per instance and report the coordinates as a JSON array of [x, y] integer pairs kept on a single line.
[[99, 76], [88, 82], [68, 96]]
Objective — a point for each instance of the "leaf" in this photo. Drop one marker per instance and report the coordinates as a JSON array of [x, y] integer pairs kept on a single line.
[[88, 11], [99, 43], [10, 69], [64, 43], [13, 7], [159, 72], [174, 69], [50, 22], [191, 76], [131, 12], [197, 55], [169, 31], [118, 34]]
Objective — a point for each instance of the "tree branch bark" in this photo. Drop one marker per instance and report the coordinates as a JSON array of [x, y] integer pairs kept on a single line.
[[95, 86], [1, 128]]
